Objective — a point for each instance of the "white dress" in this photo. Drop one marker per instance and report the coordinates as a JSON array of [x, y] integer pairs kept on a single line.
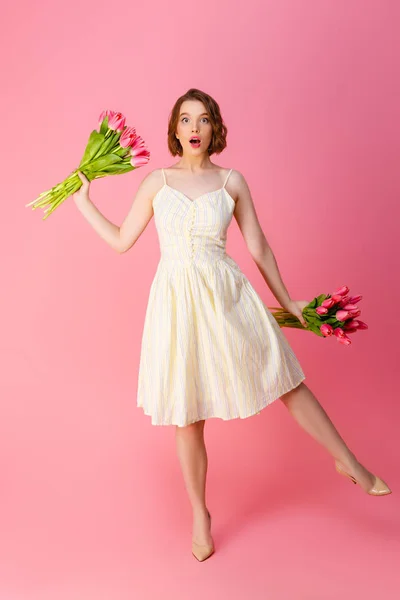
[[210, 346]]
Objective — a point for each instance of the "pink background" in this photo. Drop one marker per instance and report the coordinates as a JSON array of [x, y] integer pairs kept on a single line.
[[92, 503]]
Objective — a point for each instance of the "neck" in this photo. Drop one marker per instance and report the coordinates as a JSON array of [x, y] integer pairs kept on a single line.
[[195, 163]]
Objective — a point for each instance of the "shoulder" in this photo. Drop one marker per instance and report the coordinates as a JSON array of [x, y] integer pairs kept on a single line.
[[235, 176], [153, 181], [154, 176], [236, 182]]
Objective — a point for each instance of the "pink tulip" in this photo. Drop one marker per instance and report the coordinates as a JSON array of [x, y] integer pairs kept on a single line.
[[337, 298], [355, 299], [326, 329], [338, 332], [128, 137], [350, 324], [328, 303], [139, 152], [342, 291], [116, 122], [346, 341], [138, 146], [351, 330], [104, 114], [354, 313], [343, 302], [140, 160], [361, 324], [341, 336], [350, 307], [321, 310], [342, 315]]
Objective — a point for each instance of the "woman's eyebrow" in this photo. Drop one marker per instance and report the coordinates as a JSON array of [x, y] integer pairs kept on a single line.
[[185, 113]]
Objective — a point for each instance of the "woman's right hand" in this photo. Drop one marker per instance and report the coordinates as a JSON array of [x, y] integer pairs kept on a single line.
[[82, 195]]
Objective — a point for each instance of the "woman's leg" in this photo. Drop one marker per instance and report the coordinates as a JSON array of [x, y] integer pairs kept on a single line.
[[310, 415], [193, 459]]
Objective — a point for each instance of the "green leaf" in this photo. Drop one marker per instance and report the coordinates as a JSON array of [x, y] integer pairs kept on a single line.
[[331, 320], [321, 298], [95, 142], [103, 162], [104, 126], [312, 304], [118, 169], [110, 142]]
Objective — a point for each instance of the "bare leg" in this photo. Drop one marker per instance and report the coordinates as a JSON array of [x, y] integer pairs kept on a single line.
[[193, 459], [310, 415]]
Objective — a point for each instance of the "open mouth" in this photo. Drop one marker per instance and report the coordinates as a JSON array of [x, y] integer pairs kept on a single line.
[[195, 141]]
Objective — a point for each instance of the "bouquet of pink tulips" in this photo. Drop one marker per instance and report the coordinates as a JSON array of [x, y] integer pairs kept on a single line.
[[327, 315], [113, 150]]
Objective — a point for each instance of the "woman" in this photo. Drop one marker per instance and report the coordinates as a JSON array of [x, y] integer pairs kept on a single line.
[[210, 347]]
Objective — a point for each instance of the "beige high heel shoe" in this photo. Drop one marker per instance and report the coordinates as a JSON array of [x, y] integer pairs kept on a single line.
[[202, 551], [380, 488]]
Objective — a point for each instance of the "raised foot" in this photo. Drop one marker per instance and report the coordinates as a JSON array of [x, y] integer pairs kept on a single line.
[[377, 488]]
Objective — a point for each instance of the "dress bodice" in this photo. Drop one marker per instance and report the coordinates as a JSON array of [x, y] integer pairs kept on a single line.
[[192, 231]]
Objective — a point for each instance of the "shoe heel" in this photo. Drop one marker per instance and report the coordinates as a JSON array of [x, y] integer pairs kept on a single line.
[[201, 551], [339, 470]]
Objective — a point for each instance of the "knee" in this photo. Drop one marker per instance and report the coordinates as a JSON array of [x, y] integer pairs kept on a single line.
[[291, 394], [192, 429]]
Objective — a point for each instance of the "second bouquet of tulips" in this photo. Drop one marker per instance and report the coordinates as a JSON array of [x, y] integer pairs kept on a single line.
[[114, 149], [326, 315]]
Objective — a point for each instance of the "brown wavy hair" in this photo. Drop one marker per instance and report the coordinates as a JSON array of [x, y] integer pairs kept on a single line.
[[218, 141]]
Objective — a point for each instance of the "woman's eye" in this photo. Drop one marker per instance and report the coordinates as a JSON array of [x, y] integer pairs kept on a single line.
[[188, 118]]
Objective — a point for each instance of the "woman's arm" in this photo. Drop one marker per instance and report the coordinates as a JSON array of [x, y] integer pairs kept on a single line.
[[120, 238], [256, 242]]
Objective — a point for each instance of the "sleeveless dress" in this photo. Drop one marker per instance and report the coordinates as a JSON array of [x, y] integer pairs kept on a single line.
[[210, 346]]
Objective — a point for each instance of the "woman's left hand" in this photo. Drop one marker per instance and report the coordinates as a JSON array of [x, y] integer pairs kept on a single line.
[[295, 307]]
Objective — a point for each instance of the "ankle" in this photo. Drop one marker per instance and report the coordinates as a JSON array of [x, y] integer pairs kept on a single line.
[[200, 512], [348, 462]]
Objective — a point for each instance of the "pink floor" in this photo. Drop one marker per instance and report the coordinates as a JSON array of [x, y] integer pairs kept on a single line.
[[96, 509]]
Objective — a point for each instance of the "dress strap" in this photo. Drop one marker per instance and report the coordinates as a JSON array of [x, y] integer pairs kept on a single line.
[[165, 181], [227, 177]]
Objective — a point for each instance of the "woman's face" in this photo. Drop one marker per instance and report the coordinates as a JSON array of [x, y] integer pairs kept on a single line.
[[194, 122]]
